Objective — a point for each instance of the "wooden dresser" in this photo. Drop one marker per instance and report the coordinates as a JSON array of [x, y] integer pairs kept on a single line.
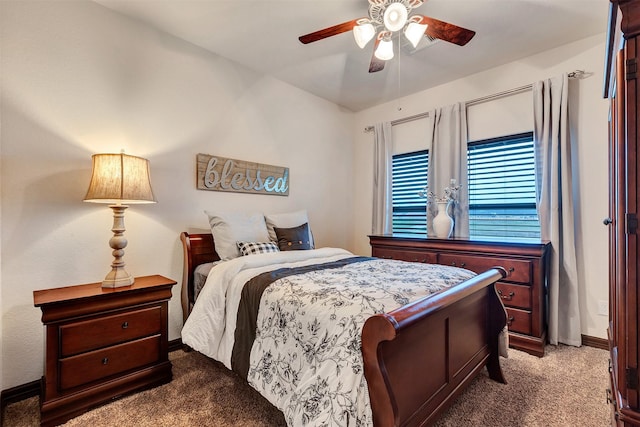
[[102, 343], [523, 292], [622, 87]]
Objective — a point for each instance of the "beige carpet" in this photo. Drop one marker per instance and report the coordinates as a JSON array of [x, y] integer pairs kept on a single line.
[[565, 388]]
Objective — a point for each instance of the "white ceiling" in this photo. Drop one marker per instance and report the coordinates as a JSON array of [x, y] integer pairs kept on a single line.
[[263, 35]]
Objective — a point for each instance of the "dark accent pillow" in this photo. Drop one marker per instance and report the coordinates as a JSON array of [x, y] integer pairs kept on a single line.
[[293, 239]]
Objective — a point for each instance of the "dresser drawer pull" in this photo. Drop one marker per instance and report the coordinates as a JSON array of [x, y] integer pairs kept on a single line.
[[506, 297], [462, 264], [510, 320], [125, 325], [105, 360]]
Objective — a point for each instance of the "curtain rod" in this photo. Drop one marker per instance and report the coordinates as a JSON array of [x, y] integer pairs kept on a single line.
[[577, 74]]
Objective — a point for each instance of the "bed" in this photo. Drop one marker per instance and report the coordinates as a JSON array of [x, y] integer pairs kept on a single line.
[[416, 358]]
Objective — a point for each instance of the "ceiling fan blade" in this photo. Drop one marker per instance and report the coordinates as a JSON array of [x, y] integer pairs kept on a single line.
[[376, 64], [328, 32], [446, 31]]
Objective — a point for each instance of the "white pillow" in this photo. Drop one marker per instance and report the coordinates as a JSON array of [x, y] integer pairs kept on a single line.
[[287, 220], [231, 227]]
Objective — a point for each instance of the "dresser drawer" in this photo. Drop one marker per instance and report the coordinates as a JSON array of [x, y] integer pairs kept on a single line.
[[514, 295], [105, 331], [519, 320], [98, 364], [405, 255], [519, 270]]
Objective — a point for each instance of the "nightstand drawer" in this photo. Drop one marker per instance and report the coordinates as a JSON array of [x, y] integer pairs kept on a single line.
[[519, 270], [404, 255], [514, 295], [95, 365], [519, 320], [101, 332]]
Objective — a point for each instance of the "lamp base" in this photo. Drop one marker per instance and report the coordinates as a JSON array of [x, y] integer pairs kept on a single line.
[[117, 278]]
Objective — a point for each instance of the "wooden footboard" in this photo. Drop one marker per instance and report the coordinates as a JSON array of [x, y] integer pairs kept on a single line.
[[418, 358]]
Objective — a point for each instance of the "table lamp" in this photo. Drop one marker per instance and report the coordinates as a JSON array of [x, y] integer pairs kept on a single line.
[[120, 180]]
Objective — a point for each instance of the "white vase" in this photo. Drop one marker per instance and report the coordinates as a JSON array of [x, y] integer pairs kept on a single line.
[[442, 222]]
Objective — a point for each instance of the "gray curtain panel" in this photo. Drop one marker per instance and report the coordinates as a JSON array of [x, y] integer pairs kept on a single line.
[[447, 160], [382, 179], [555, 206]]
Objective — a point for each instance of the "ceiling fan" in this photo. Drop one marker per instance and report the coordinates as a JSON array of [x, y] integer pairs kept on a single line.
[[387, 17]]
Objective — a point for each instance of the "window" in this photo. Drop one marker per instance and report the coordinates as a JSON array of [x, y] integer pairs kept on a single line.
[[502, 187], [502, 190], [409, 172]]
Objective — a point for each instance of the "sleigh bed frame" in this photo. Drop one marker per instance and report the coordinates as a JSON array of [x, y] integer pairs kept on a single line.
[[419, 357]]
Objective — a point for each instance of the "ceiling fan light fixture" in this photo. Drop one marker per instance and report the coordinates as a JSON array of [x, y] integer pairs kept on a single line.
[[363, 33], [414, 33], [395, 16], [388, 17], [384, 52]]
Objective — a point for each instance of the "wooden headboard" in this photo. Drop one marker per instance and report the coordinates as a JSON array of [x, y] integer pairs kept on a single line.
[[198, 249]]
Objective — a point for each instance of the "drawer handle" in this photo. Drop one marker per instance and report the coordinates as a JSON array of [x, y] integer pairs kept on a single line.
[[125, 325], [510, 320], [462, 264], [511, 270], [506, 297], [105, 360]]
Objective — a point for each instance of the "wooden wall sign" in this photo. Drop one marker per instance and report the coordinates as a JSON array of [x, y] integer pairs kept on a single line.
[[217, 173]]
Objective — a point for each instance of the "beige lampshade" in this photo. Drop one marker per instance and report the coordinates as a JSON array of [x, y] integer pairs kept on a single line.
[[119, 179]]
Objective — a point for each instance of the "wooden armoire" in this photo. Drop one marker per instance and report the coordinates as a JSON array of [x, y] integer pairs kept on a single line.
[[622, 87]]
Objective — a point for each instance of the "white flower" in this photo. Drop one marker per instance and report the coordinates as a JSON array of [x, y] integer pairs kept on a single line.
[[450, 193]]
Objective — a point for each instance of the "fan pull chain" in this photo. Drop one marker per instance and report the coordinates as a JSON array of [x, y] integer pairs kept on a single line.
[[399, 74]]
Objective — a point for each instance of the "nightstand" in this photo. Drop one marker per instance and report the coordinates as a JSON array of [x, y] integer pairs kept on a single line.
[[102, 343]]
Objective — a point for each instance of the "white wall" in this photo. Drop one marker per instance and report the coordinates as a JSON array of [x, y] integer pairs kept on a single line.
[[79, 79], [508, 115], [589, 112]]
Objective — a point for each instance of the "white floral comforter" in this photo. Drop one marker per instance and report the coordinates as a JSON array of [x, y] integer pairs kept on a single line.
[[306, 358]]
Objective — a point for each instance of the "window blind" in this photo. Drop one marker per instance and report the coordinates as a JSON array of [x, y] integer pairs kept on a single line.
[[502, 188], [409, 171]]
